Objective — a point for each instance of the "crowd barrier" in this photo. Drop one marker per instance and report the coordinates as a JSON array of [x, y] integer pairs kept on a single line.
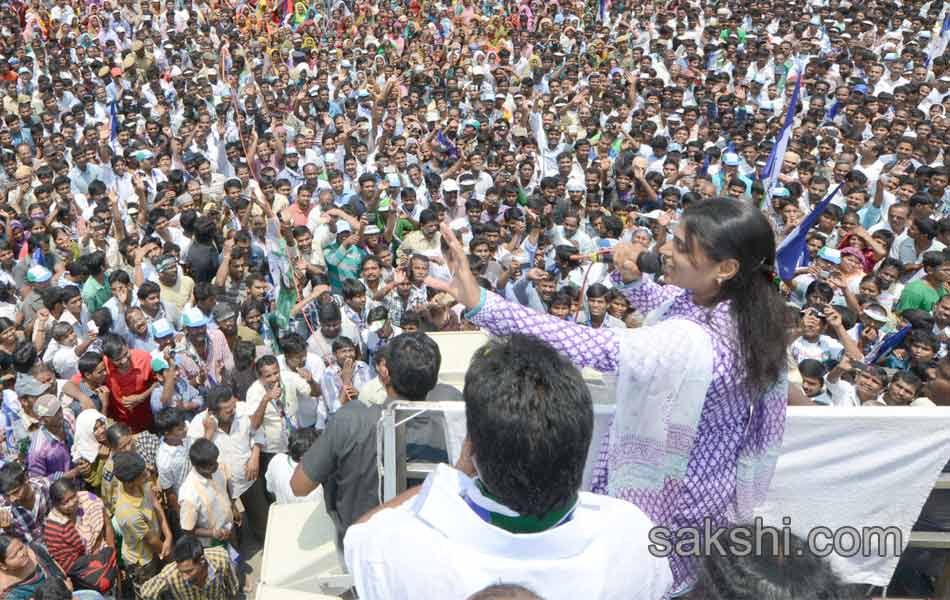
[[859, 473]]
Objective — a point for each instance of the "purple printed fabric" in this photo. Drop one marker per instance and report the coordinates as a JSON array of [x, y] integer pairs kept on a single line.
[[729, 456]]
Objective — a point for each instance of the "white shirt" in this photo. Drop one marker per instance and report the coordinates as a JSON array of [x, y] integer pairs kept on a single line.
[[204, 503], [279, 471], [173, 465], [280, 415], [826, 348], [391, 556], [234, 446], [307, 406]]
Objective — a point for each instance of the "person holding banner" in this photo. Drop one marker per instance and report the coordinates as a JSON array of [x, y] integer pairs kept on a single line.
[[701, 387]]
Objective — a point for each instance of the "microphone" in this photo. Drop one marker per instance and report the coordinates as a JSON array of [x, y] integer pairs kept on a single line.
[[647, 262], [650, 262]]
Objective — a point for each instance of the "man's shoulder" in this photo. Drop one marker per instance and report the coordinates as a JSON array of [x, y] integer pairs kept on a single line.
[[138, 353], [357, 412], [354, 417], [256, 389], [607, 508], [218, 556]]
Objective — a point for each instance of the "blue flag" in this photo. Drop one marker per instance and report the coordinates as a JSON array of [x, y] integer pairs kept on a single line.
[[450, 148], [773, 166], [115, 120], [833, 111], [793, 102], [889, 343], [792, 253], [939, 44]]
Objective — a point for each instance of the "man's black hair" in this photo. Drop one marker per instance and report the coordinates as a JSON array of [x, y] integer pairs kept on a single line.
[[168, 418], [88, 362], [12, 475], [328, 311], [113, 345], [203, 453], [24, 356], [188, 547], [293, 343], [300, 441], [530, 422], [264, 361], [217, 395], [413, 360], [115, 433], [597, 290]]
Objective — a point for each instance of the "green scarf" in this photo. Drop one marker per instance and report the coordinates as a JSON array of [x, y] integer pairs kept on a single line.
[[524, 523]]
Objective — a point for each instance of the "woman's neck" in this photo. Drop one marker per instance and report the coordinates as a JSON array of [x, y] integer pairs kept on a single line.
[[15, 575], [705, 298]]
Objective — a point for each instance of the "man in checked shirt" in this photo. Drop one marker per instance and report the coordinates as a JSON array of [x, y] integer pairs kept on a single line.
[[196, 573]]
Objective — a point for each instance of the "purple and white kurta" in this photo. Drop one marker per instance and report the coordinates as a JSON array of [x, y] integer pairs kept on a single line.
[[690, 441]]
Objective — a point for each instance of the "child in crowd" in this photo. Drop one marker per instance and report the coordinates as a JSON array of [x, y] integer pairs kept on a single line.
[[342, 379], [172, 459]]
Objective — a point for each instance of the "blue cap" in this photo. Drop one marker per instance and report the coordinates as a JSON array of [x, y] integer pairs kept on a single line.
[[38, 274], [730, 159], [161, 328], [780, 192], [159, 364], [830, 254], [193, 317]]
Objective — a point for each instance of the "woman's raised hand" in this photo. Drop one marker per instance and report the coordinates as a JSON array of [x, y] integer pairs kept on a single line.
[[463, 286], [625, 257]]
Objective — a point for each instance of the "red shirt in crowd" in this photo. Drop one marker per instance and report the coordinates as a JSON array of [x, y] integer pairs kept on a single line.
[[134, 381]]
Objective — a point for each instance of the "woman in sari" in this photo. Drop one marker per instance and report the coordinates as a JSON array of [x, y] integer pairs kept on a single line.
[[24, 568], [80, 538]]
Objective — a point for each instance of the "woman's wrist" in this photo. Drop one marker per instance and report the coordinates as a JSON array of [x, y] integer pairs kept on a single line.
[[474, 310]]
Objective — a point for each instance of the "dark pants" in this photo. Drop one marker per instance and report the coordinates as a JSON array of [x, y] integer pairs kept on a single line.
[[256, 507], [139, 574], [266, 457]]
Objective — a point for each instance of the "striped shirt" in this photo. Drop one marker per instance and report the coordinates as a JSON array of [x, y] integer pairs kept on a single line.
[[220, 584], [28, 522], [343, 263], [63, 541], [69, 538]]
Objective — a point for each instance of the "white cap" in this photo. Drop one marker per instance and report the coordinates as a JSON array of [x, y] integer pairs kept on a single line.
[[450, 185], [574, 185]]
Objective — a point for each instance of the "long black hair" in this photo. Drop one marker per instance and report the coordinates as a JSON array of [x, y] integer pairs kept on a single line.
[[728, 229], [787, 569]]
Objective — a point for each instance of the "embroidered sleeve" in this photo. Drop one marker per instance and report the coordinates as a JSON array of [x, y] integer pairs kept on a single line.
[[645, 294], [585, 347]]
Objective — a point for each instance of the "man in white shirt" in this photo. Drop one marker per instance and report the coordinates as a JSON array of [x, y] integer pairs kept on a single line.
[[273, 403], [226, 424], [282, 468], [296, 357], [519, 515]]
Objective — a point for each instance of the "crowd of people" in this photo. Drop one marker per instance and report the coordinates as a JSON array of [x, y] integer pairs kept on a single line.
[[227, 228]]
